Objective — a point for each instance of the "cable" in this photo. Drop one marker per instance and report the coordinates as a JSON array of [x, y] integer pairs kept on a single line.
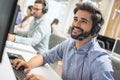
[[84, 59]]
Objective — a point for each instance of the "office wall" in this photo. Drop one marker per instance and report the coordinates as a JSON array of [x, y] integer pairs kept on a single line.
[[67, 21], [106, 9], [113, 27], [22, 4]]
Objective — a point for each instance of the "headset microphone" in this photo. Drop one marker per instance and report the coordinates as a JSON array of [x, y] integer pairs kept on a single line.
[[81, 38]]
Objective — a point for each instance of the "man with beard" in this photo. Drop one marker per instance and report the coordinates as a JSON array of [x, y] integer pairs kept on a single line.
[[83, 58]]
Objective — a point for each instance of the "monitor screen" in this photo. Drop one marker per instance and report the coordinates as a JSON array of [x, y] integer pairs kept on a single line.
[[17, 8], [117, 46], [7, 8]]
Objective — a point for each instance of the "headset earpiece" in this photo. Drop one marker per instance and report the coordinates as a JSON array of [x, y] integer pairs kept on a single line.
[[96, 28], [45, 9]]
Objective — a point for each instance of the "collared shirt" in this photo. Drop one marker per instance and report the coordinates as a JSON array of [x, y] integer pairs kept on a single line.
[[90, 62], [38, 35]]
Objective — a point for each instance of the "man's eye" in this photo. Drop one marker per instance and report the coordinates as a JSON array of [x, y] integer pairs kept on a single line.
[[83, 21], [75, 19]]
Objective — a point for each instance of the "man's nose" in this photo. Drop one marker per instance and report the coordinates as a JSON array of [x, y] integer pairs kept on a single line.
[[77, 23]]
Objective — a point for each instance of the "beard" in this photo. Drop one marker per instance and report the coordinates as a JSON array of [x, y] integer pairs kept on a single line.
[[80, 36]]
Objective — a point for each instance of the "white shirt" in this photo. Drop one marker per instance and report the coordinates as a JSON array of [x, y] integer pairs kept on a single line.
[[23, 28], [38, 35]]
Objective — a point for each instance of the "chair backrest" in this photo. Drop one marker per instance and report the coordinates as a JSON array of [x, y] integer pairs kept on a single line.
[[101, 43], [54, 40], [116, 67]]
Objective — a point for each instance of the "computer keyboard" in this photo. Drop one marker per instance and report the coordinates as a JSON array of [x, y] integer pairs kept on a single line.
[[20, 75]]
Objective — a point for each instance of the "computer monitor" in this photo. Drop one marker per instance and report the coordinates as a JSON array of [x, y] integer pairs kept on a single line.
[[17, 8], [108, 42], [116, 48], [7, 8]]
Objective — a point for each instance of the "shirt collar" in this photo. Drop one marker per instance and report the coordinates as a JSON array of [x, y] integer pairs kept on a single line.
[[39, 20], [86, 47]]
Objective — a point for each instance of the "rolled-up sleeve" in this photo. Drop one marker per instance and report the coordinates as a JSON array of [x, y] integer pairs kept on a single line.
[[52, 55], [36, 37]]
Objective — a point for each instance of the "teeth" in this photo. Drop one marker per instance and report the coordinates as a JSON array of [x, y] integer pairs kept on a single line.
[[76, 29]]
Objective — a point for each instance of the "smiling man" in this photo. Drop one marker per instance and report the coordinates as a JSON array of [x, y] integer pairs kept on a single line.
[[82, 56]]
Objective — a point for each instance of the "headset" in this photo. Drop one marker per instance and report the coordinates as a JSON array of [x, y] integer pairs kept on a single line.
[[95, 29], [98, 21], [45, 9]]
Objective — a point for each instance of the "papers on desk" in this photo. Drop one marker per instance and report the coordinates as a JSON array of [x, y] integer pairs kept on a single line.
[[20, 47]]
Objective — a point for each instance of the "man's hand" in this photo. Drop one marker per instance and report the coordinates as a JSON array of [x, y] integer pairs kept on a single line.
[[11, 37], [35, 77], [17, 63]]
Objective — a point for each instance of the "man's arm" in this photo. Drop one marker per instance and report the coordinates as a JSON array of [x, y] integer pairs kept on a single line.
[[36, 61], [35, 37], [102, 68]]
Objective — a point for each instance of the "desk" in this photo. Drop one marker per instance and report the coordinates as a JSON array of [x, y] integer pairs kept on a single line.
[[6, 72], [22, 47]]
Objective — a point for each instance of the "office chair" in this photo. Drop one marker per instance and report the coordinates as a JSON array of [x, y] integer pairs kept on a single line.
[[101, 43], [116, 67], [54, 40]]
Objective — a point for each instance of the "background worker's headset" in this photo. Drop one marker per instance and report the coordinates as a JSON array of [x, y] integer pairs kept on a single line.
[[45, 9]]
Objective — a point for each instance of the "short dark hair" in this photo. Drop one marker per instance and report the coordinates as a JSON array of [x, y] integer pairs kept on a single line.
[[41, 2], [87, 6], [30, 7], [96, 15], [56, 21]]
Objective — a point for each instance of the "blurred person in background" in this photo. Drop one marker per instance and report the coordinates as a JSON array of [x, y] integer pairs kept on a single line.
[[40, 30], [29, 13], [23, 28], [56, 29]]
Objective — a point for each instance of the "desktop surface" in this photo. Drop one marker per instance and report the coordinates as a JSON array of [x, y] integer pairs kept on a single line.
[[22, 47], [6, 72]]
